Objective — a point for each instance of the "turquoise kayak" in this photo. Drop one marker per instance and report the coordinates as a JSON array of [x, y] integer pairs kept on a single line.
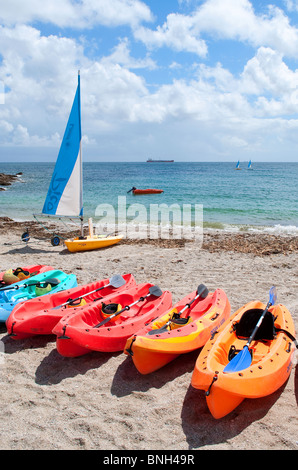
[[44, 283]]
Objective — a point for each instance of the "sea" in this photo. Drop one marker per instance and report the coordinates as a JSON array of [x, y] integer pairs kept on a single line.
[[261, 199]]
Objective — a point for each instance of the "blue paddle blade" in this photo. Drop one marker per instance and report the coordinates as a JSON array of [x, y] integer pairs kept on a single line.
[[239, 362], [272, 295]]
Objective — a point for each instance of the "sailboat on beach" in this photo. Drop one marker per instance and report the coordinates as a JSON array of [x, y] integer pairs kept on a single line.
[[65, 193]]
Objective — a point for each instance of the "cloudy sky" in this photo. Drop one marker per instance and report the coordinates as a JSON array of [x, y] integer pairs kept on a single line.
[[193, 80]]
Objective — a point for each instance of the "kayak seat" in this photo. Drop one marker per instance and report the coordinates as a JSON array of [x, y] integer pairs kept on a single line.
[[247, 324], [179, 322], [110, 310]]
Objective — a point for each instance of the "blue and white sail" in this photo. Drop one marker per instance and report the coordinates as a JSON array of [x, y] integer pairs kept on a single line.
[[65, 194], [249, 165]]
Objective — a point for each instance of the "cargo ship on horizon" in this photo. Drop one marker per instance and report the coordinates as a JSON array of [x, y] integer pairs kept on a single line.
[[150, 160]]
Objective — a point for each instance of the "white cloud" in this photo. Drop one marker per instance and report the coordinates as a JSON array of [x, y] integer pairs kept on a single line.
[[121, 55], [36, 71], [266, 87], [226, 19], [5, 126], [115, 100], [215, 110], [110, 91], [75, 13], [2, 93], [292, 5], [114, 12], [178, 32], [40, 74], [267, 72]]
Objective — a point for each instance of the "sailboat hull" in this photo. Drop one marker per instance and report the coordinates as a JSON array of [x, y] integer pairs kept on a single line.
[[87, 243]]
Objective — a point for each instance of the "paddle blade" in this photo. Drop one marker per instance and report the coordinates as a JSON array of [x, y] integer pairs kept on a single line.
[[241, 361], [117, 281], [272, 295], [156, 291], [202, 291]]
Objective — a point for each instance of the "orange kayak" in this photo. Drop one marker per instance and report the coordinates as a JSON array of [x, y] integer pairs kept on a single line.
[[38, 316], [83, 331], [271, 362], [171, 335]]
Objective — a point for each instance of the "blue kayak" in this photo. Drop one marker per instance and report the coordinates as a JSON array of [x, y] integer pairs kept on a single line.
[[41, 284]]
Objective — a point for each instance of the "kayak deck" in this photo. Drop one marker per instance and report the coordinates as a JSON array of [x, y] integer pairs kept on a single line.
[[163, 340], [269, 369], [79, 333], [38, 316]]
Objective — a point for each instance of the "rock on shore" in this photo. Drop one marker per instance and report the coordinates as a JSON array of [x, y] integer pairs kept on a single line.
[[7, 180]]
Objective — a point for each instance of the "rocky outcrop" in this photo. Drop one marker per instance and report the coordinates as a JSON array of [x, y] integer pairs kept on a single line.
[[7, 180]]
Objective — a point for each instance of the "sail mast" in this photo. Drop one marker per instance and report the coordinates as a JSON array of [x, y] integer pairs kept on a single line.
[[80, 154]]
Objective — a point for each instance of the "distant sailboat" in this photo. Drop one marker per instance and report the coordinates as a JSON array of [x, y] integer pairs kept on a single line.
[[238, 166], [249, 167], [65, 193]]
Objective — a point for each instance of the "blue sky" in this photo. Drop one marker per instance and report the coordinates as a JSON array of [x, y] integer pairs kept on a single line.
[[193, 80]]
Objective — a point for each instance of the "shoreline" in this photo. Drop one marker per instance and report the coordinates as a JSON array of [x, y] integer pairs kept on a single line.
[[255, 243]]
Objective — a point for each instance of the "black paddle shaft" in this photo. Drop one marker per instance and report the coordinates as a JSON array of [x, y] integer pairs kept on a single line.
[[53, 282], [115, 281], [201, 292], [127, 307], [154, 290]]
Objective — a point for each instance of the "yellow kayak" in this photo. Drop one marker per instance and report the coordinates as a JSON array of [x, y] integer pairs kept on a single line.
[[90, 243]]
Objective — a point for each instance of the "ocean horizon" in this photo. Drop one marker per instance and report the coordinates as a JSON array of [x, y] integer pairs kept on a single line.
[[263, 199]]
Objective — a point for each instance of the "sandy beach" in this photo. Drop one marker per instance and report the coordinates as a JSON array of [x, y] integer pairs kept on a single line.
[[100, 401]]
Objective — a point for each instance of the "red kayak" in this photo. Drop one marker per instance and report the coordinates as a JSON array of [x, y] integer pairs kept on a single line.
[[105, 326], [38, 316], [147, 191], [11, 276]]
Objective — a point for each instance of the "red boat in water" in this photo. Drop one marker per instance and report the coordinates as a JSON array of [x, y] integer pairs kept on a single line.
[[145, 191], [105, 326], [40, 315]]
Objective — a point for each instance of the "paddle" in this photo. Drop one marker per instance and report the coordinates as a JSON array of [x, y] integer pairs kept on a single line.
[[201, 291], [153, 290], [243, 359], [54, 282], [132, 189], [115, 281]]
